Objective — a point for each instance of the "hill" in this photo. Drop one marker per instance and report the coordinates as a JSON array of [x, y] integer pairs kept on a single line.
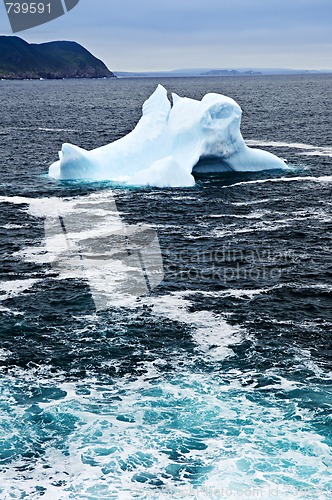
[[52, 60]]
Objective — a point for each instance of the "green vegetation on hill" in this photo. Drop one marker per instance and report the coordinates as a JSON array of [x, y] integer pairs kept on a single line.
[[21, 60]]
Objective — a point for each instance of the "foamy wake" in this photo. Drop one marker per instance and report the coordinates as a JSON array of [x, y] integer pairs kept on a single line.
[[183, 435]]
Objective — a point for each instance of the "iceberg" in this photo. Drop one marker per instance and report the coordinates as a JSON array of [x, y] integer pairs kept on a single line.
[[167, 145]]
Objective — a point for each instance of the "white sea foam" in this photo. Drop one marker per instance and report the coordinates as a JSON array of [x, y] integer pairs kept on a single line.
[[280, 144], [307, 214], [323, 152], [13, 288], [13, 226], [258, 227], [309, 149], [321, 179], [46, 129], [256, 214], [244, 294], [16, 200], [5, 130], [126, 436], [41, 207], [213, 335], [255, 202], [5, 354]]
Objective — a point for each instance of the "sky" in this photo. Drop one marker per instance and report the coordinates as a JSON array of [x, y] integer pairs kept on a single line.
[[156, 35]]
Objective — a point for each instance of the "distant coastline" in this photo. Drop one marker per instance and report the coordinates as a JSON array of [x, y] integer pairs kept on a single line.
[[205, 72], [20, 60]]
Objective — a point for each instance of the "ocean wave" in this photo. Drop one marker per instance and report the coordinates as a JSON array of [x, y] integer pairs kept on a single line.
[[161, 436], [308, 178], [309, 149]]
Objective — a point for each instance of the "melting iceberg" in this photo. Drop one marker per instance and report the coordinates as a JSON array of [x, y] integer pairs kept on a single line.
[[166, 145]]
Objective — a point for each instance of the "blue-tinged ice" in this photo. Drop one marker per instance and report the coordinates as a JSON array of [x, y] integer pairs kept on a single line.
[[167, 143]]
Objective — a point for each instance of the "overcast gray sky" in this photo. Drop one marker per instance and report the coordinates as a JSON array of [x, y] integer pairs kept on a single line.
[[143, 35]]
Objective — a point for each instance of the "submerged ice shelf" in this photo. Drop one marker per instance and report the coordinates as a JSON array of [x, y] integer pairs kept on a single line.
[[166, 145]]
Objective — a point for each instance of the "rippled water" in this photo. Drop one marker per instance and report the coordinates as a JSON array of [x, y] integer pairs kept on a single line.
[[218, 383]]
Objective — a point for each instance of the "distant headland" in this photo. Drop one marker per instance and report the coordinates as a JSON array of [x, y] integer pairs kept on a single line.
[[201, 72], [20, 60]]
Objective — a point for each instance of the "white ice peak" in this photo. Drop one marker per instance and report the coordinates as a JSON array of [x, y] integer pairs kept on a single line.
[[167, 143]]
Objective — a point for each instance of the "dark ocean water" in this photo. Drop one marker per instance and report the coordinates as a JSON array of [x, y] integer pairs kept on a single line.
[[217, 384]]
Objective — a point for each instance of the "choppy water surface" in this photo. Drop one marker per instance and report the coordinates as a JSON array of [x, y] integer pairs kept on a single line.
[[217, 384]]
